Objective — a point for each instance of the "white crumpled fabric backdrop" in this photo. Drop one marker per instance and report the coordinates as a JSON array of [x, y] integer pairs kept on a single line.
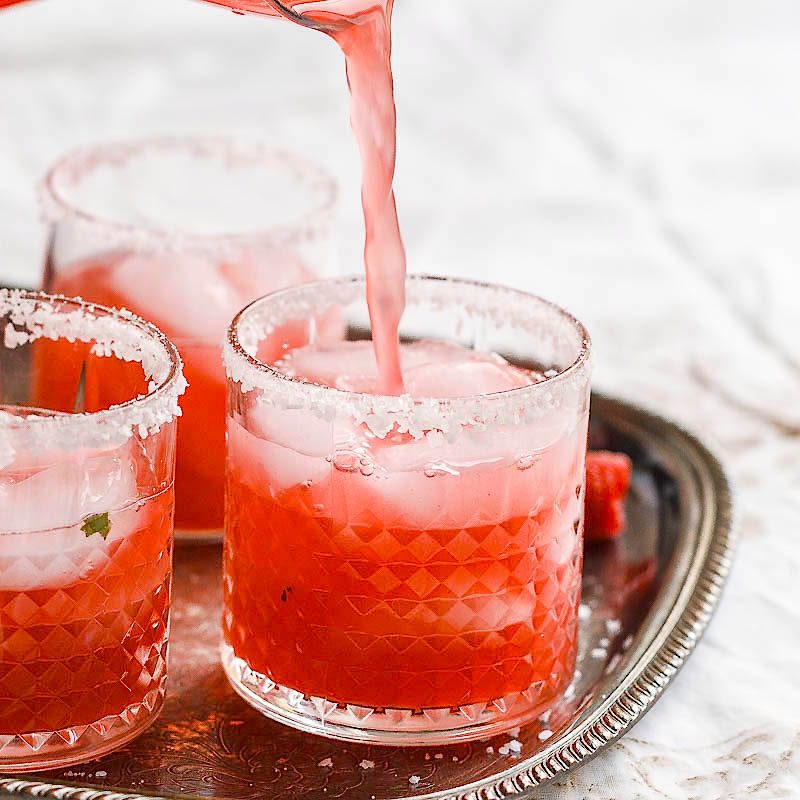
[[639, 162]]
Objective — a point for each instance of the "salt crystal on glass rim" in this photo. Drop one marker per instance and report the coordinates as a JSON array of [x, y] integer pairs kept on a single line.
[[613, 626], [122, 230], [498, 306], [35, 315]]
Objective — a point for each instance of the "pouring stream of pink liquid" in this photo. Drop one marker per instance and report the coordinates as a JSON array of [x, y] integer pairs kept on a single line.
[[363, 31]]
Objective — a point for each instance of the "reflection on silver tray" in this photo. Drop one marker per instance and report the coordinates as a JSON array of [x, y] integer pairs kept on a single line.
[[647, 599]]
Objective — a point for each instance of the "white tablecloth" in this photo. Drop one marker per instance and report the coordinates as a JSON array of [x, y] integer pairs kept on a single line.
[[638, 162]]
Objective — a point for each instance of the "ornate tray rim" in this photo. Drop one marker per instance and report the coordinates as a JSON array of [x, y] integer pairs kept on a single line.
[[693, 585]]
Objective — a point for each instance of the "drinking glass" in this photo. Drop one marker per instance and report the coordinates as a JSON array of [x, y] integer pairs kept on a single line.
[[404, 571], [88, 401], [185, 232]]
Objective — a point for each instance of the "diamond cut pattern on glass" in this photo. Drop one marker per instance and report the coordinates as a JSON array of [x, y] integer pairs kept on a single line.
[[84, 662], [383, 617]]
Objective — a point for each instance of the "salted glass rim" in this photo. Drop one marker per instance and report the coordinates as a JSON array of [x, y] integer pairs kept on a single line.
[[57, 204], [145, 413], [251, 373]]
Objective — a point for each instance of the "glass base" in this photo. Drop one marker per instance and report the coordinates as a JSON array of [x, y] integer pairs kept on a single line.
[[384, 726], [31, 752]]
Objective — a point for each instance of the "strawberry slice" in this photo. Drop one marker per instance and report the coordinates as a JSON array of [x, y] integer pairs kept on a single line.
[[608, 478]]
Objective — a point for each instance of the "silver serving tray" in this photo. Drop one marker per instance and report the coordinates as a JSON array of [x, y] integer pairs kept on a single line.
[[647, 600]]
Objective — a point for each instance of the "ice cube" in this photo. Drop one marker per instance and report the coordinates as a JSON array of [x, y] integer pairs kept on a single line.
[[479, 477], [341, 365], [255, 273], [42, 509], [186, 296], [284, 447], [270, 467], [430, 368], [463, 378]]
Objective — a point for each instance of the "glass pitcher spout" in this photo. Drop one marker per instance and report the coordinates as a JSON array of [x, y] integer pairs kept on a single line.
[[287, 9], [328, 16]]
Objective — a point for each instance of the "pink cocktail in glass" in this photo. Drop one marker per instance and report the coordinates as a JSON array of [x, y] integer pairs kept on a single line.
[[88, 400], [185, 232], [405, 569]]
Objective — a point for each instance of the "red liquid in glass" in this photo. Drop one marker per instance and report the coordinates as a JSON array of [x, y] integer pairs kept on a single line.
[[152, 288], [84, 627], [382, 582], [83, 616]]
